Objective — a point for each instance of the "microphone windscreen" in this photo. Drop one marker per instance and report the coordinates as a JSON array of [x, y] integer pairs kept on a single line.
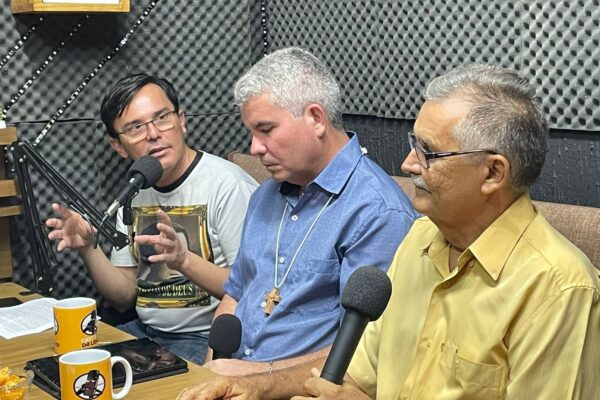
[[367, 292], [147, 166], [147, 250], [225, 334]]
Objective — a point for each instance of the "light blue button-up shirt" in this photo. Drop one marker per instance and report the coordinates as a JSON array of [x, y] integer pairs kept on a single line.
[[365, 221]]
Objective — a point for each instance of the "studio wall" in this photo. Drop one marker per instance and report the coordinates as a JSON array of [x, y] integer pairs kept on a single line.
[[383, 52]]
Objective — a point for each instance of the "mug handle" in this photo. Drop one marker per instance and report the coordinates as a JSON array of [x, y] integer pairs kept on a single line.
[[128, 377]]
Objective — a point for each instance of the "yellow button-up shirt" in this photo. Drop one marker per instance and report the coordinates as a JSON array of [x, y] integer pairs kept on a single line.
[[519, 317]]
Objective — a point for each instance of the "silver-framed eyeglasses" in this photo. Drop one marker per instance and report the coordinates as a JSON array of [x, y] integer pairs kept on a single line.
[[162, 122], [424, 156]]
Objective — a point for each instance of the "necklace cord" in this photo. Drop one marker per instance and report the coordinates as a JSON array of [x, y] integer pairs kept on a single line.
[[289, 268]]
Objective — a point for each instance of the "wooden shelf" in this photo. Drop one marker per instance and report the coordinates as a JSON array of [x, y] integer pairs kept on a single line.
[[39, 6], [9, 211], [8, 135], [8, 188]]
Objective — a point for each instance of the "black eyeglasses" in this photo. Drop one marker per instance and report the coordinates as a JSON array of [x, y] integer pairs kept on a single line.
[[424, 156], [139, 131]]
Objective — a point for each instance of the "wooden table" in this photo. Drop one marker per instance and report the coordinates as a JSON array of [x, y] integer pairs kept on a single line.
[[16, 352]]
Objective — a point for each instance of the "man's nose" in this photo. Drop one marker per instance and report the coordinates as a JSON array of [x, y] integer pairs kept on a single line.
[[153, 132], [411, 164], [257, 147]]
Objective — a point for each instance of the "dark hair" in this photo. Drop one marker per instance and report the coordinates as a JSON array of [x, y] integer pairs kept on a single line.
[[120, 95]]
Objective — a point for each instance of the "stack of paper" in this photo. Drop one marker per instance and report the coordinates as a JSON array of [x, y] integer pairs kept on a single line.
[[34, 316], [83, 1]]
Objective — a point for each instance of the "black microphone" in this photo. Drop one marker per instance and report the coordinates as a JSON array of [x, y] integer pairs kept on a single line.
[[365, 296], [143, 173], [225, 336]]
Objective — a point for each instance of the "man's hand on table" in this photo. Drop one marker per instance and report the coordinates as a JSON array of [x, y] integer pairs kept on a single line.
[[221, 387]]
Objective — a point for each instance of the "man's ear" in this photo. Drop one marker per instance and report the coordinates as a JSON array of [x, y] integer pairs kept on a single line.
[[496, 174], [317, 118], [181, 115], [118, 147]]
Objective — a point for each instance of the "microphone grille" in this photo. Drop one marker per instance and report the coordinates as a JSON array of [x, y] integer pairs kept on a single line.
[[367, 292], [225, 334], [147, 166]]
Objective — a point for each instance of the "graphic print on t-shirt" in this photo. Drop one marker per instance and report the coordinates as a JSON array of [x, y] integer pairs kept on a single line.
[[158, 285]]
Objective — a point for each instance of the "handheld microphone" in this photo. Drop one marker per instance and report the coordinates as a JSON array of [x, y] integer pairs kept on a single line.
[[143, 173], [225, 336], [365, 296]]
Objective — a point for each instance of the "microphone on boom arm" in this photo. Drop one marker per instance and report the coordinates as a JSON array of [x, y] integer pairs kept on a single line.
[[142, 174]]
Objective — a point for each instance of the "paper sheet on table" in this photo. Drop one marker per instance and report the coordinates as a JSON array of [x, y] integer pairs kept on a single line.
[[83, 1], [33, 316]]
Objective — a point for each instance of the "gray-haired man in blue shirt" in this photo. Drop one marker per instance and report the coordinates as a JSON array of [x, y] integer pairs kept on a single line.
[[327, 210]]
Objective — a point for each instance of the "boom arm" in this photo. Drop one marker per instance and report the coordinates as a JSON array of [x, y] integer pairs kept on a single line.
[[44, 259]]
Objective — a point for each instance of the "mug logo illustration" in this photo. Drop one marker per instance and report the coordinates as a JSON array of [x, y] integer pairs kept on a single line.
[[89, 386], [88, 325], [55, 326]]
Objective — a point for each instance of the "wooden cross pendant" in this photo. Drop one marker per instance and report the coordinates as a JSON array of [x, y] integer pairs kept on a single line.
[[271, 300]]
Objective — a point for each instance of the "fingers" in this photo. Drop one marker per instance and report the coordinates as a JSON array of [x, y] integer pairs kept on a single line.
[[61, 246], [153, 240], [163, 218], [166, 244], [57, 235], [70, 228], [185, 394], [189, 393], [204, 391], [54, 223], [319, 387], [60, 210], [64, 214], [166, 232]]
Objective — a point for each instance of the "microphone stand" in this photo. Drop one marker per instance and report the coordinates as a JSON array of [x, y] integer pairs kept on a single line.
[[127, 212], [44, 258]]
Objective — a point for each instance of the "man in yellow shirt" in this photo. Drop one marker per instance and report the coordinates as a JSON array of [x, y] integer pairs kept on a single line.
[[489, 301]]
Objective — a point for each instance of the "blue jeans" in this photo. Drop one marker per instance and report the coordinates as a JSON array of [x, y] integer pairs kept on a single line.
[[190, 345]]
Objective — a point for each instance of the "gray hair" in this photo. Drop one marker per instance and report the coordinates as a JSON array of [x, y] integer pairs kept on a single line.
[[293, 78], [504, 116]]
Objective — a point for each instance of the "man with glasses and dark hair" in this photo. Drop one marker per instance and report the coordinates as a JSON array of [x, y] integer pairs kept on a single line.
[[200, 197], [488, 301]]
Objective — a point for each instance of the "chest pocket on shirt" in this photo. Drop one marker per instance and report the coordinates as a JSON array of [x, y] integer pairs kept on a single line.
[[474, 380], [316, 287]]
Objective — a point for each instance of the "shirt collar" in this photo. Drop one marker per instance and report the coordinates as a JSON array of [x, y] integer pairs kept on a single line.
[[493, 247], [334, 176]]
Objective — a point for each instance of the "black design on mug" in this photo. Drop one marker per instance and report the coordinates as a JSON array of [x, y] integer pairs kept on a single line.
[[89, 386], [88, 325]]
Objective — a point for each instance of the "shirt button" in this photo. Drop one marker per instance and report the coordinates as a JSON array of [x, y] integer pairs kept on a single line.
[[281, 260], [294, 217], [248, 352]]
